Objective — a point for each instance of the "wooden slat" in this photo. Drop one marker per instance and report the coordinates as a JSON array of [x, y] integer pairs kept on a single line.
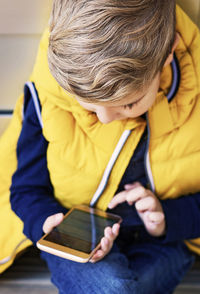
[[24, 16], [21, 24], [192, 8], [29, 274], [198, 19], [17, 56], [27, 290], [30, 17]]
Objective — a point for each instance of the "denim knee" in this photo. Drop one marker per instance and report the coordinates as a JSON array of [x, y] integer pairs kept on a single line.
[[149, 268], [112, 275]]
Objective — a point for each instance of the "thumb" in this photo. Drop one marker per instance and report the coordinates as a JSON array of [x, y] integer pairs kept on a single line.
[[52, 221]]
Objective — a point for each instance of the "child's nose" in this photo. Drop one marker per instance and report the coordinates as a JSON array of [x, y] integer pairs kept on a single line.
[[106, 115]]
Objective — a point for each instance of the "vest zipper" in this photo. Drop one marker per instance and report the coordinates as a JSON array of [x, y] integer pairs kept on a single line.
[[109, 167], [147, 164]]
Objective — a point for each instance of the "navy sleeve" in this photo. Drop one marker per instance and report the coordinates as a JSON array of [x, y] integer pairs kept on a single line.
[[182, 218], [31, 189]]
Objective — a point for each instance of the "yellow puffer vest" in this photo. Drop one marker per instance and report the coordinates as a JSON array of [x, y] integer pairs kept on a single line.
[[80, 146]]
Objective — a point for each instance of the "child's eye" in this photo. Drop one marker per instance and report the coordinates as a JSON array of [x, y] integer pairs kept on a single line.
[[131, 104]]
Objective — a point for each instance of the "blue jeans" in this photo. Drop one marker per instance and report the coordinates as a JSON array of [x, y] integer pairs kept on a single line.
[[143, 268]]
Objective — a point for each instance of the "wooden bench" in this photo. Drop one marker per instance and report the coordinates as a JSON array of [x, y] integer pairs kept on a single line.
[[29, 274]]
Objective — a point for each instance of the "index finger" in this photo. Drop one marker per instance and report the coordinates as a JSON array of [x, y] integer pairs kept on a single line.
[[117, 199], [130, 196]]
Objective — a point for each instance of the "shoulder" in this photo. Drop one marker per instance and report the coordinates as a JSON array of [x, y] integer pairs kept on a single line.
[[190, 40]]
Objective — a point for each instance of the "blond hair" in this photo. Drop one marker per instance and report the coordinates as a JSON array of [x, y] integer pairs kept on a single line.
[[102, 50]]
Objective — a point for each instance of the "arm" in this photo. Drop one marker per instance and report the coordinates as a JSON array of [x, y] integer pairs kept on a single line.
[[31, 190], [182, 217]]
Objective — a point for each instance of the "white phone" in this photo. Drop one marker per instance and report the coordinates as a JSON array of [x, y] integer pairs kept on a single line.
[[78, 236]]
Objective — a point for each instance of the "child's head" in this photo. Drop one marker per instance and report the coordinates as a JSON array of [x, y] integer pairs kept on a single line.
[[103, 51]]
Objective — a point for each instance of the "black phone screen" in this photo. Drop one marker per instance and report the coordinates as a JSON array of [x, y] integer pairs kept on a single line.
[[80, 230]]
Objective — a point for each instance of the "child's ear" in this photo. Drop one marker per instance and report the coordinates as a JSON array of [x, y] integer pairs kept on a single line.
[[171, 55]]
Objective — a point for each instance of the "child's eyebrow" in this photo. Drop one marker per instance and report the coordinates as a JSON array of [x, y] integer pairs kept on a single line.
[[139, 98], [135, 101]]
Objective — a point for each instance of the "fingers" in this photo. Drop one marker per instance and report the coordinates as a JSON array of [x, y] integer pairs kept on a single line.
[[117, 199], [147, 203], [115, 230], [130, 195], [52, 221], [154, 223], [156, 217], [97, 256], [110, 234], [131, 186]]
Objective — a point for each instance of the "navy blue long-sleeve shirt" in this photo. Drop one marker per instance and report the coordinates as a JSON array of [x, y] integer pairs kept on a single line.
[[32, 196]]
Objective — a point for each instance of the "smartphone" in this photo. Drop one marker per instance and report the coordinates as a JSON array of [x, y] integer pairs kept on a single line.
[[78, 236]]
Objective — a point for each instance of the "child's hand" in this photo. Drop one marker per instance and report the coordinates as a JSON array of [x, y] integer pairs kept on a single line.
[[52, 221], [147, 205], [110, 234]]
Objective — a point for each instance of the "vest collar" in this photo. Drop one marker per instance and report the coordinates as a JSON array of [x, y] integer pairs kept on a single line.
[[171, 109]]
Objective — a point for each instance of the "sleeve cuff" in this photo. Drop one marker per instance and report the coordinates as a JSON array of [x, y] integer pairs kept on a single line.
[[182, 219]]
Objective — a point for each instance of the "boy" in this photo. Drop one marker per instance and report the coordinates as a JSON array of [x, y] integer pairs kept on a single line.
[[121, 68]]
